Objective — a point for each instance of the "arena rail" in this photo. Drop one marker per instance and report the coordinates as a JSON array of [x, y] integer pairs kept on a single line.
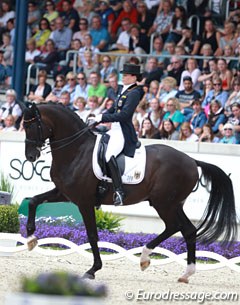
[[170, 257]]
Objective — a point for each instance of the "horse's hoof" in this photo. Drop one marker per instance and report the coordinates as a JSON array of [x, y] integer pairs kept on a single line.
[[32, 242], [88, 276], [183, 280], [144, 265]]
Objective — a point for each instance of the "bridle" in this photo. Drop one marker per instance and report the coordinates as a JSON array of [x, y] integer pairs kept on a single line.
[[40, 142]]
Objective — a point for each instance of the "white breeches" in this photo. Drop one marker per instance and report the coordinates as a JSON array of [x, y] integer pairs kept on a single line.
[[116, 141]]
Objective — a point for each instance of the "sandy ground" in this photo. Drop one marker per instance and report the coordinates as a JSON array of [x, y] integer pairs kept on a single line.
[[121, 277]]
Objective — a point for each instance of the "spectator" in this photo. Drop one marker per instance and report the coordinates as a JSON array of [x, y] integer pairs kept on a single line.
[[6, 14], [80, 108], [54, 95], [234, 96], [99, 34], [107, 68], [88, 11], [167, 131], [83, 26], [151, 91], [3, 71], [128, 11], [225, 74], [216, 116], [198, 118], [210, 70], [96, 88], [42, 34], [107, 15], [65, 99], [227, 53], [207, 87], [34, 16], [114, 88], [159, 51], [89, 66], [70, 87], [179, 21], [122, 43], [163, 20], [70, 16], [93, 105], [193, 71], [147, 130], [175, 68], [62, 38], [152, 71], [190, 41], [186, 133], [11, 107], [156, 113], [212, 37], [88, 46], [138, 42], [141, 112], [234, 119], [39, 92], [11, 30], [174, 113], [207, 52], [106, 105], [228, 37], [82, 86], [8, 53], [51, 13], [228, 134], [145, 17], [9, 123], [207, 134], [167, 89], [31, 52]]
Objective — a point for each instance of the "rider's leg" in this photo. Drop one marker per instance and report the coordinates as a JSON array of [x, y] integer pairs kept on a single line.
[[115, 146]]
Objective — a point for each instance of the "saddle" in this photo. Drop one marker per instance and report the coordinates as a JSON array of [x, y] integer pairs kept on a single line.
[[132, 169]]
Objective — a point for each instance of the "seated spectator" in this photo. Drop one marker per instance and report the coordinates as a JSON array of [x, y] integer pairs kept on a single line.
[[225, 74], [144, 17], [234, 97], [80, 108], [216, 116], [190, 41], [167, 89], [31, 52], [151, 92], [198, 118], [167, 131], [155, 113], [65, 99], [207, 135], [107, 15], [62, 38], [147, 130], [99, 34], [3, 71], [89, 66], [39, 92], [106, 105], [186, 97], [82, 86], [128, 11], [54, 95], [186, 133], [193, 71], [83, 30], [93, 105], [207, 52], [11, 30], [48, 58], [141, 112], [42, 34], [122, 43], [11, 107], [70, 87], [114, 88], [70, 16], [34, 16], [159, 51], [210, 70], [51, 13], [211, 37], [179, 21], [228, 37], [87, 11], [228, 51], [138, 42], [8, 53], [175, 68], [174, 113], [228, 134], [163, 20], [216, 93], [6, 14], [151, 72], [96, 88], [207, 87], [234, 119], [9, 123], [107, 68], [88, 46]]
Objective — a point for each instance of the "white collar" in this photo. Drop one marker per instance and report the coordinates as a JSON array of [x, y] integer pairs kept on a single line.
[[125, 87]]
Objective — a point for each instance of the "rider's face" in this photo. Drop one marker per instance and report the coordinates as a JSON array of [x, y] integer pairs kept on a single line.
[[128, 79]]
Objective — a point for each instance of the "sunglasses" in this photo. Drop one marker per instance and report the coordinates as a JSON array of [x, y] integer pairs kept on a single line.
[[71, 79], [228, 129], [80, 78], [217, 84], [59, 80]]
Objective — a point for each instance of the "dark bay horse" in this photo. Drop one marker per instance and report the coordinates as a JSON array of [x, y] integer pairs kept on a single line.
[[169, 178]]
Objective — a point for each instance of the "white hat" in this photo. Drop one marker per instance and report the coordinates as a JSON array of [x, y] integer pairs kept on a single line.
[[228, 126]]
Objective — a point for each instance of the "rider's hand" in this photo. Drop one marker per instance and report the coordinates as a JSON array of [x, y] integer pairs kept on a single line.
[[94, 120]]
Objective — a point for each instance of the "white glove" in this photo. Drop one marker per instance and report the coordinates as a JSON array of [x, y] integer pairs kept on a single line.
[[97, 118]]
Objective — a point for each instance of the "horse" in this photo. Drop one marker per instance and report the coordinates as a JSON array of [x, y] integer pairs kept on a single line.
[[170, 176]]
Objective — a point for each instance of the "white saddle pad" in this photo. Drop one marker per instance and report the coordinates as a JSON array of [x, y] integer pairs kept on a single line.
[[134, 167]]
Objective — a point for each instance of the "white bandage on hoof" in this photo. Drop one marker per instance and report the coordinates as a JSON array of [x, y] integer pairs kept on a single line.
[[31, 242], [145, 259], [191, 269]]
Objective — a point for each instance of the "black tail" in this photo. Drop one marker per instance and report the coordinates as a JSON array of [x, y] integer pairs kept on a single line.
[[219, 219]]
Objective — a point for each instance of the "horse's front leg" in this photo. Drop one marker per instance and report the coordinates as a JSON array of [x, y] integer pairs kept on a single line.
[[50, 196], [89, 219]]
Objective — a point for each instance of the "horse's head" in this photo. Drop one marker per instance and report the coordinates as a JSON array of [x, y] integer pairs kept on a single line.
[[36, 133]]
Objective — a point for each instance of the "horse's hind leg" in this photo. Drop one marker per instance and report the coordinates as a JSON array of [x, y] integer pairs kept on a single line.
[[188, 231], [50, 196]]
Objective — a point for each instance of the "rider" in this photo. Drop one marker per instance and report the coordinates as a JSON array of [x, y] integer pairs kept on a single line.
[[122, 133]]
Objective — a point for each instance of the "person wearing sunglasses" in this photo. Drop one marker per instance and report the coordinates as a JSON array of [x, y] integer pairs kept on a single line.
[[82, 86], [228, 134], [42, 33], [83, 30]]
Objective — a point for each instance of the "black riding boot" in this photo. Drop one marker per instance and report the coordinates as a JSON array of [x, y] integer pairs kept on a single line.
[[119, 194]]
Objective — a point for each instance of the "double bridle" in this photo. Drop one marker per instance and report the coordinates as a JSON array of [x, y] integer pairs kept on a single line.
[[40, 142]]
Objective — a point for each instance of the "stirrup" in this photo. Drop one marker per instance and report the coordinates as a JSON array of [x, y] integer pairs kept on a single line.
[[118, 198]]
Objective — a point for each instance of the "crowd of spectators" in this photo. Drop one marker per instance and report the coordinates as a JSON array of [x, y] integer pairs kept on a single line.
[[191, 76]]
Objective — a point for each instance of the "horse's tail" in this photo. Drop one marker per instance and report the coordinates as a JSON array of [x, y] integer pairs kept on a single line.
[[219, 219]]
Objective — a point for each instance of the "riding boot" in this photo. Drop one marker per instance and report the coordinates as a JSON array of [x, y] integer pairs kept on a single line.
[[119, 194]]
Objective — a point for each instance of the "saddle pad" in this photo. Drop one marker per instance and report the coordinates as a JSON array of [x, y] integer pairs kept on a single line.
[[134, 167]]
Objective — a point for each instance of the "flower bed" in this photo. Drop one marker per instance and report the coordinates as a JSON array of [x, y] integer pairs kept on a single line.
[[66, 228]]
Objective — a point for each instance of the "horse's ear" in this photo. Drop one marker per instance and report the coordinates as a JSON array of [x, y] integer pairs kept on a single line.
[[22, 105]]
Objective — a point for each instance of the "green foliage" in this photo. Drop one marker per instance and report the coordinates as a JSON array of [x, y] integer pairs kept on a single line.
[[108, 221], [9, 221], [5, 185], [62, 283]]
